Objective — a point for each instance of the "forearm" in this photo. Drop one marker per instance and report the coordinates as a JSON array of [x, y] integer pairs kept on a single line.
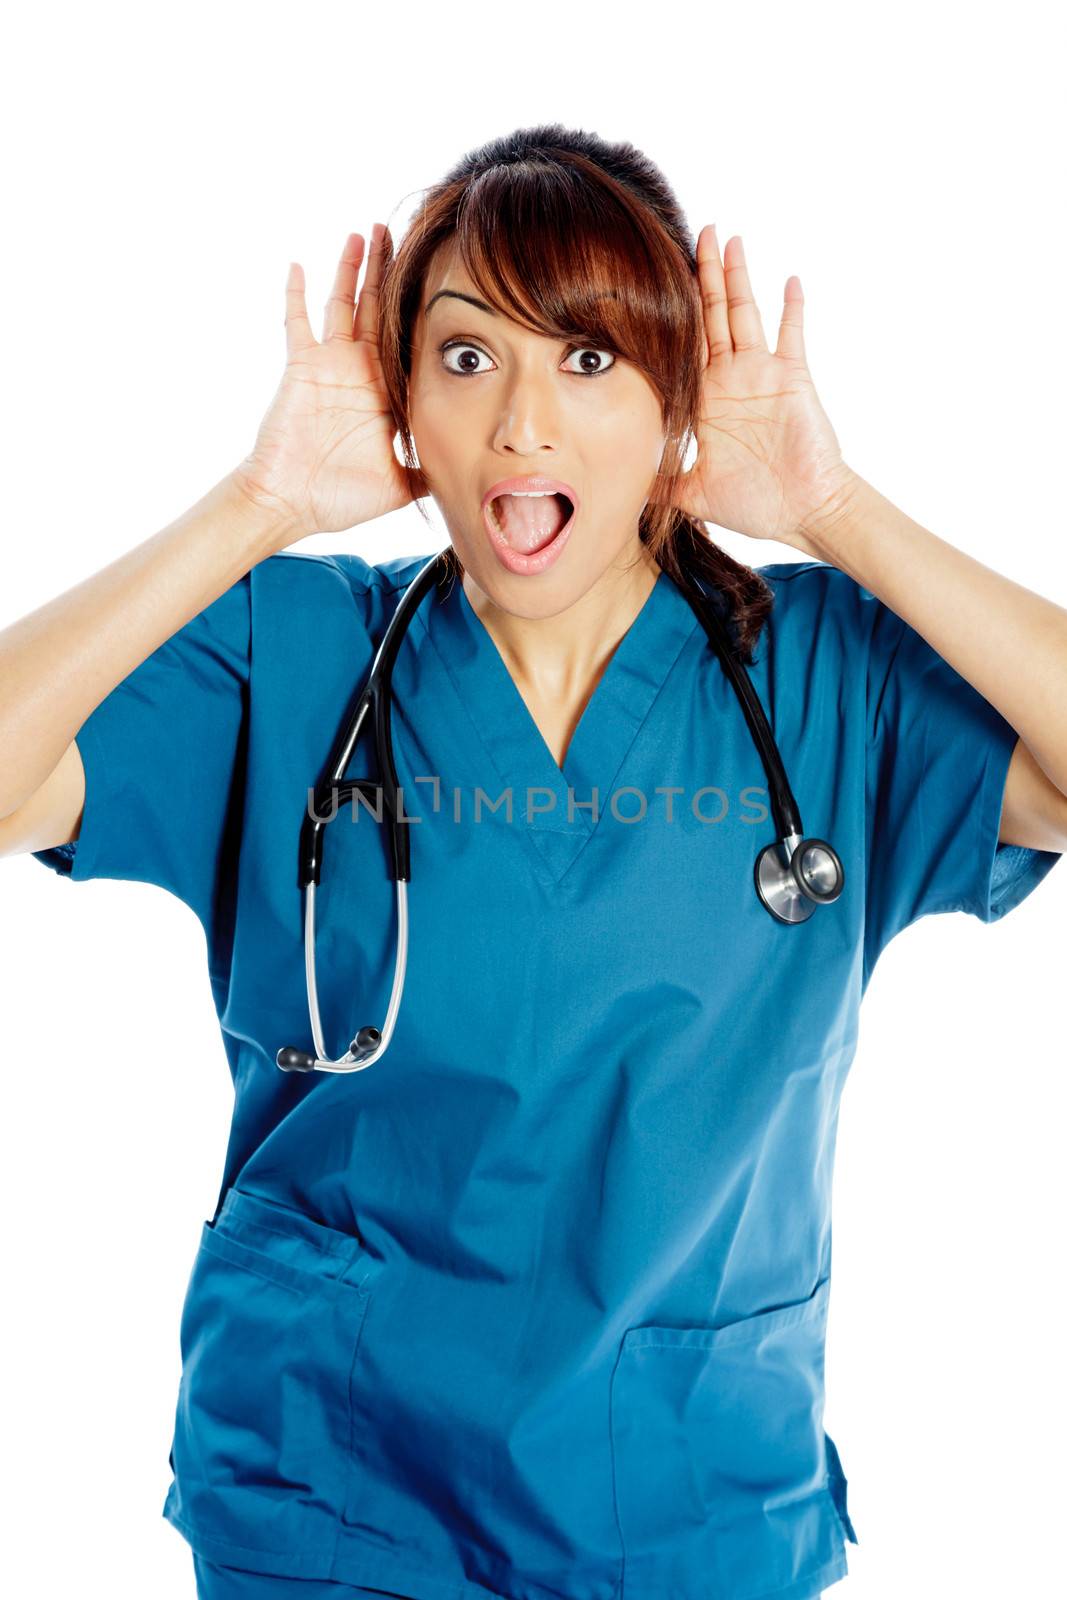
[[58, 662], [1007, 641]]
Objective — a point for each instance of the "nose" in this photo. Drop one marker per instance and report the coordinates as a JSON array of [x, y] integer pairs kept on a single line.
[[529, 415]]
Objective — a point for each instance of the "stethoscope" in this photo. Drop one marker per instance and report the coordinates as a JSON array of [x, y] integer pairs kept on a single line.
[[793, 875]]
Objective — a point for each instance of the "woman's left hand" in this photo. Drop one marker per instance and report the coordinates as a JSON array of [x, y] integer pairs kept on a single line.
[[768, 462]]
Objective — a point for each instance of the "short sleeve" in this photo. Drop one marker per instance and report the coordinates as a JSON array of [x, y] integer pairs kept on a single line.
[[937, 762], [164, 765]]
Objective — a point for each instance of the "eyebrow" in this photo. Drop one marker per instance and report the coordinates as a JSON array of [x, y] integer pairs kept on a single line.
[[455, 294]]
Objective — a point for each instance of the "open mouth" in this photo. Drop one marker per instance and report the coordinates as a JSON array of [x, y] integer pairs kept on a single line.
[[529, 523]]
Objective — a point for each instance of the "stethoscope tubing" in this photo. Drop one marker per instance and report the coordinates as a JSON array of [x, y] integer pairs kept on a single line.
[[787, 891], [784, 808]]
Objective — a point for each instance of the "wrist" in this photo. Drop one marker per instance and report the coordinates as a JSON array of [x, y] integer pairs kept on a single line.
[[825, 531], [269, 520]]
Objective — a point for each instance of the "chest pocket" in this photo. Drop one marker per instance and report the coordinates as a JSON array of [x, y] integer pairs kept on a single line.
[[725, 1482]]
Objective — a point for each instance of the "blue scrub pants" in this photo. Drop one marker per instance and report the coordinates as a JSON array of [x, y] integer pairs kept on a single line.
[[232, 1583]]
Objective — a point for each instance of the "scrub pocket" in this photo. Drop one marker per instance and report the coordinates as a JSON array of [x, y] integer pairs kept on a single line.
[[269, 1337], [725, 1481]]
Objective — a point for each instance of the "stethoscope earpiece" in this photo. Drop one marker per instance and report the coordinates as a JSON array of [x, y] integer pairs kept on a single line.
[[367, 1040]]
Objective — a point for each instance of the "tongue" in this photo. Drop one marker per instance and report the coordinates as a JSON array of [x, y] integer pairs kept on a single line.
[[530, 521]]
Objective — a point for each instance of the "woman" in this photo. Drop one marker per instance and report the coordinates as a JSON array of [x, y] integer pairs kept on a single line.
[[534, 1304]]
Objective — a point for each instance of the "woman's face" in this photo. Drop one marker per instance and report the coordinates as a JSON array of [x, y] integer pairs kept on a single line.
[[502, 402]]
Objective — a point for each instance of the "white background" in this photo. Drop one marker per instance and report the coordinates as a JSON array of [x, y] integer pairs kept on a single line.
[[163, 167]]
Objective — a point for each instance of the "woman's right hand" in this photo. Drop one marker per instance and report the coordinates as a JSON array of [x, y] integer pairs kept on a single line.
[[324, 452]]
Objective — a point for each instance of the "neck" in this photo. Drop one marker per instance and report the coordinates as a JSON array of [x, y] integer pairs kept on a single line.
[[558, 658]]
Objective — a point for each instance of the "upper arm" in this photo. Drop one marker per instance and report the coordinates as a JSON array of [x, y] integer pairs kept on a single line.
[[1035, 812], [163, 756], [941, 835], [52, 815]]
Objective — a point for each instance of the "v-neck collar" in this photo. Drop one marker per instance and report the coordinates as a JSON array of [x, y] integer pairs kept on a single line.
[[552, 806]]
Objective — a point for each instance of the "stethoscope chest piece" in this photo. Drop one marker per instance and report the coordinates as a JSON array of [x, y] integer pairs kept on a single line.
[[795, 875]]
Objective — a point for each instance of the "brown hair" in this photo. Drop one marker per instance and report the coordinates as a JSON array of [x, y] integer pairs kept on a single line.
[[544, 219]]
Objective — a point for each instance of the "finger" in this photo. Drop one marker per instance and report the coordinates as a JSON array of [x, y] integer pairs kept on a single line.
[[298, 334], [340, 307], [713, 294], [366, 326], [791, 329], [745, 327]]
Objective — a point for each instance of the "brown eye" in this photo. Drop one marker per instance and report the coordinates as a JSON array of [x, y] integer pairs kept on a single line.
[[465, 350], [589, 350]]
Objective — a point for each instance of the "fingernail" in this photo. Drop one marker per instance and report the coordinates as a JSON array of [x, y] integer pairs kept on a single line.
[[376, 233]]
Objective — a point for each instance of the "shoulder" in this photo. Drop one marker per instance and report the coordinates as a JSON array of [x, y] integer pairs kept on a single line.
[[806, 582], [302, 587], [815, 599]]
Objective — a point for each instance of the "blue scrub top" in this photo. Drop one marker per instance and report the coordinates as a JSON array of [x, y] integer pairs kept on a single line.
[[535, 1305]]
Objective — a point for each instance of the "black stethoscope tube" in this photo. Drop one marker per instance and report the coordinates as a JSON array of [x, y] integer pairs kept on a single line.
[[376, 695], [784, 808]]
